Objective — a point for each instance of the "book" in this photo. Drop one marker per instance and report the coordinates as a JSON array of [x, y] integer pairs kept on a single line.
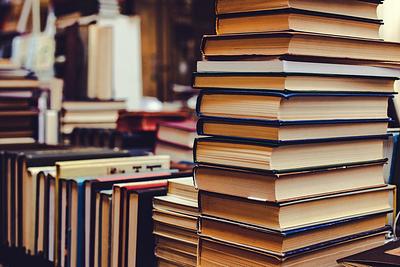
[[102, 249], [23, 83], [132, 227], [213, 252], [30, 193], [183, 188], [100, 59], [362, 9], [269, 105], [178, 133], [280, 65], [92, 105], [287, 156], [289, 131], [298, 213], [281, 187], [176, 152], [174, 231], [178, 252], [294, 82], [181, 220], [298, 44], [176, 204], [292, 19], [286, 243], [121, 165], [386, 255], [174, 258], [98, 116]]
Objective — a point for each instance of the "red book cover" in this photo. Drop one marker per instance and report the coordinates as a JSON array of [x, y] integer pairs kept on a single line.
[[133, 176], [146, 121], [145, 185]]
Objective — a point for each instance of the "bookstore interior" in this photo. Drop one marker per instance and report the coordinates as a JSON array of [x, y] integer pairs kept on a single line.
[[237, 133]]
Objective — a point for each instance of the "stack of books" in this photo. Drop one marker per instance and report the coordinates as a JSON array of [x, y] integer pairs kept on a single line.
[[109, 8], [90, 114], [296, 110], [176, 139], [175, 224], [54, 204], [19, 105]]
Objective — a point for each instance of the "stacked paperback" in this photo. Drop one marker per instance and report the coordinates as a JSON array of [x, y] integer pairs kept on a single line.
[[294, 100], [19, 105], [90, 114], [175, 224]]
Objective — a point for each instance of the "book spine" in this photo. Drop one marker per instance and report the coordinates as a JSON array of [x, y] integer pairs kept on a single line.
[[200, 126]]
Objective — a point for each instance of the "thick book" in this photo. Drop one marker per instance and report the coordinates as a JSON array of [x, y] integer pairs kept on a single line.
[[275, 187], [287, 243], [37, 188], [18, 84], [102, 234], [178, 133], [280, 65], [176, 204], [292, 19], [183, 187], [296, 214], [268, 105], [132, 225], [288, 156], [362, 9], [387, 255], [176, 251], [174, 219], [94, 105], [213, 252], [293, 82], [298, 44], [289, 130]]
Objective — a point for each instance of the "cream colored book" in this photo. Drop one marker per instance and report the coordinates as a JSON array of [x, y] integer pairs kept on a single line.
[[29, 206]]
